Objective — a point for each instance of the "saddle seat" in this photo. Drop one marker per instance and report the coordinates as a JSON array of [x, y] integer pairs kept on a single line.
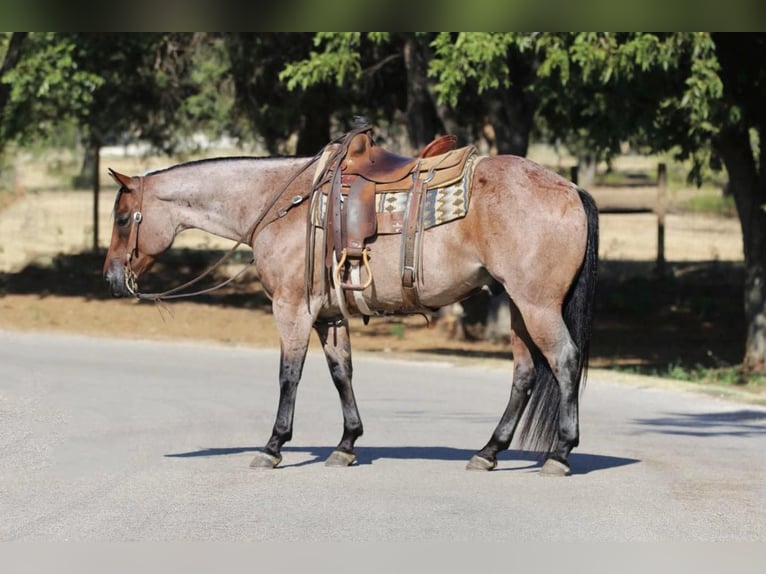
[[387, 169]]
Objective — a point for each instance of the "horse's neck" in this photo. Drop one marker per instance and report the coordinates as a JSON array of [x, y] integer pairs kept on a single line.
[[225, 198]]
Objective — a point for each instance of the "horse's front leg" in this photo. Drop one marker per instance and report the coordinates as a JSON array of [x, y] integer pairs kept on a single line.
[[337, 349], [294, 325]]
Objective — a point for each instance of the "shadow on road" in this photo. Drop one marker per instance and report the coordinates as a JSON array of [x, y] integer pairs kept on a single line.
[[581, 463], [742, 423]]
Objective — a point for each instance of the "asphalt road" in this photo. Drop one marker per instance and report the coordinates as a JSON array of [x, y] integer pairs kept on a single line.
[[106, 440]]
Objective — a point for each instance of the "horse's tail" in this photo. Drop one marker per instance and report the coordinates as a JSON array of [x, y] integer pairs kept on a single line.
[[540, 424]]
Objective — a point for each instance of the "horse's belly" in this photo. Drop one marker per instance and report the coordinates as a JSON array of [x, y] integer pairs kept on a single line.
[[447, 270]]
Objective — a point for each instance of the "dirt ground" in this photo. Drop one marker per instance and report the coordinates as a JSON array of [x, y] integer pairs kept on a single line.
[[691, 317]]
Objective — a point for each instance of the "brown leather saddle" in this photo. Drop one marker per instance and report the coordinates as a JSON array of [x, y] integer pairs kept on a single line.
[[355, 173]]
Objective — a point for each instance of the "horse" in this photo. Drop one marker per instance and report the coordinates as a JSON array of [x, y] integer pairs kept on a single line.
[[528, 232]]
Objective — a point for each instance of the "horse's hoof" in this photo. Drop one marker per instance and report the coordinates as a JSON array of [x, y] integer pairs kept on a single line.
[[265, 460], [480, 463], [553, 467], [339, 458]]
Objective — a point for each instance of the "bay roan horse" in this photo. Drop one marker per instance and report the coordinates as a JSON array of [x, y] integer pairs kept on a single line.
[[527, 231]]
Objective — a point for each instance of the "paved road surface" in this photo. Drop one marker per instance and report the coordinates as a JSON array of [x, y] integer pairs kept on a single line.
[[105, 440]]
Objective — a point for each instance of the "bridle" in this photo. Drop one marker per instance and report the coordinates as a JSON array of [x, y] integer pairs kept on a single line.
[[131, 279]]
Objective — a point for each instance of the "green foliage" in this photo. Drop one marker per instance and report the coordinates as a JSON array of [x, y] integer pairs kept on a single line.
[[723, 375], [592, 91], [468, 58], [338, 63], [157, 87], [210, 105], [398, 330], [712, 203], [48, 86]]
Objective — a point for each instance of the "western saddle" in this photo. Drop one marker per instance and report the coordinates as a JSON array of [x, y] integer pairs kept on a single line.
[[347, 181]]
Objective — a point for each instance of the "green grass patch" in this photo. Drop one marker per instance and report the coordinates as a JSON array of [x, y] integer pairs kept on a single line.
[[615, 178], [398, 330], [712, 204], [731, 375]]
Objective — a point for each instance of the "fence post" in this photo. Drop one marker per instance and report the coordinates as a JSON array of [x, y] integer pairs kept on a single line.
[[96, 192], [662, 187]]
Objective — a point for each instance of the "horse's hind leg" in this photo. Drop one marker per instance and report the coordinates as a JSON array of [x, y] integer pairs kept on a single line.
[[556, 413], [337, 349], [523, 377], [294, 325]]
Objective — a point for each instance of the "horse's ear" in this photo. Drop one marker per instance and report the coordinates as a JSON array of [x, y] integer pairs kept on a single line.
[[119, 178]]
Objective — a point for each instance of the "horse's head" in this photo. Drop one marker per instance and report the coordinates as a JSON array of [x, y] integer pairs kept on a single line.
[[141, 232]]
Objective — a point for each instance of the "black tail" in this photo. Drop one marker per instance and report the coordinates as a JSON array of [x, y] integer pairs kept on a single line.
[[538, 430]]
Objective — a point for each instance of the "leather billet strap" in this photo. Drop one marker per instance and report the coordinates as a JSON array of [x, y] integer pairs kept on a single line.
[[411, 236]]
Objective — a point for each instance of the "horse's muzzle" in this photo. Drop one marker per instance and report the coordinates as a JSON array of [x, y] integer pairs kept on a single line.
[[114, 275]]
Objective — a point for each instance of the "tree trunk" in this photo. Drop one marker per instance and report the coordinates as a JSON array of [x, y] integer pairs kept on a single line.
[[96, 153], [85, 178], [749, 191], [12, 57], [315, 127], [511, 111], [422, 120], [586, 170], [511, 122], [755, 315]]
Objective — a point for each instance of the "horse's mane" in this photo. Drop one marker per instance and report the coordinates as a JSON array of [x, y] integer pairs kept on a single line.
[[212, 160]]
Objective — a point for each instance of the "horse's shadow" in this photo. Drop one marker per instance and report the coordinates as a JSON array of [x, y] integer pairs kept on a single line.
[[581, 463]]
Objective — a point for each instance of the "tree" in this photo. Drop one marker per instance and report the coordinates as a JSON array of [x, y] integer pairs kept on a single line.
[[115, 88], [10, 60], [382, 76], [276, 113], [737, 140], [43, 86], [699, 95]]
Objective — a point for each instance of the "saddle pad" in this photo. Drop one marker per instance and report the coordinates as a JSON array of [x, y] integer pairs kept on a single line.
[[440, 205]]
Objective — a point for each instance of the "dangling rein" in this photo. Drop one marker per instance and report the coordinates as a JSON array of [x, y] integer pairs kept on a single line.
[[174, 293]]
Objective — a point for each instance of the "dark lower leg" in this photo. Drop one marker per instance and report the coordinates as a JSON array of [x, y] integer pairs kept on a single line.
[[294, 324], [559, 415], [568, 432], [337, 349], [501, 438], [568, 435], [523, 379], [290, 369]]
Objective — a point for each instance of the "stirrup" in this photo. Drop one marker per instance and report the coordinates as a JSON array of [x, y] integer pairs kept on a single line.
[[351, 286]]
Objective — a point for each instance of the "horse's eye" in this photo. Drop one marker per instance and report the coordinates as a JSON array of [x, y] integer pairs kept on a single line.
[[123, 219]]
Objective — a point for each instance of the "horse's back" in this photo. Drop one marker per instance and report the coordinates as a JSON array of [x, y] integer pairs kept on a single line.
[[520, 182]]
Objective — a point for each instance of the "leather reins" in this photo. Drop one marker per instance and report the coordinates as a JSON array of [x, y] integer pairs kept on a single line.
[[248, 237]]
